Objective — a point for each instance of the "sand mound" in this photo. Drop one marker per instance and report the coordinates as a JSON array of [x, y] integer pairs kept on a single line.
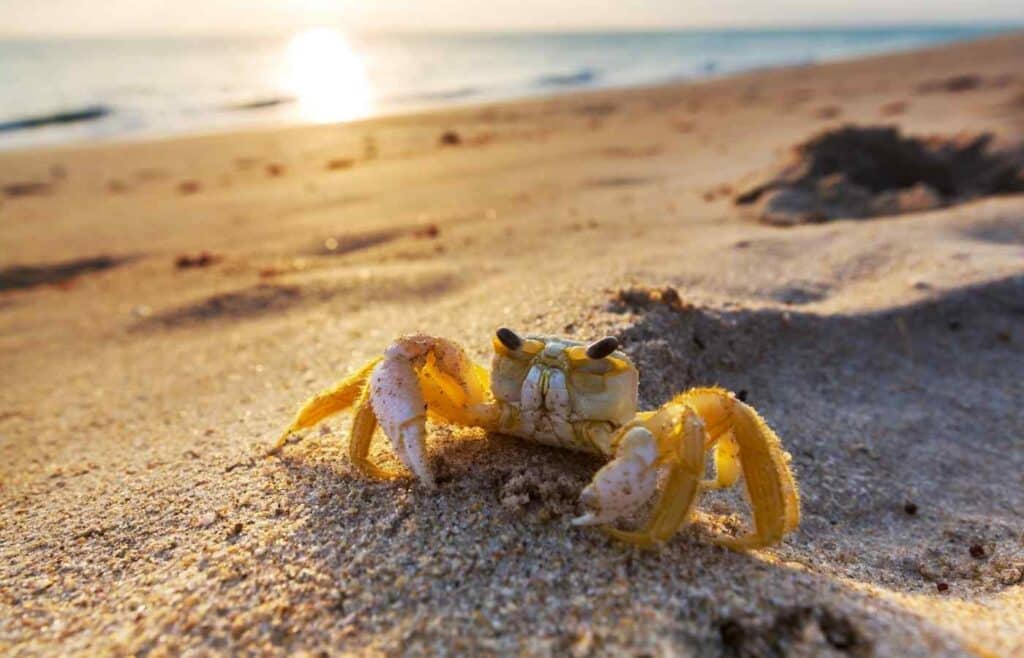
[[857, 172], [677, 345]]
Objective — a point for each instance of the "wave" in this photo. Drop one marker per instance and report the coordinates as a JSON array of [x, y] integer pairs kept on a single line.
[[581, 77], [261, 103], [90, 113], [436, 95]]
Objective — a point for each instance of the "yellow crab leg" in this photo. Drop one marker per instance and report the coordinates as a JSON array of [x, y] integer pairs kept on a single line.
[[774, 499], [463, 402], [423, 375], [684, 429], [683, 486], [727, 463], [338, 398], [671, 512], [364, 424], [682, 446]]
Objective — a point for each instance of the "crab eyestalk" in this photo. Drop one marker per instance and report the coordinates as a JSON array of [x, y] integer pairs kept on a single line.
[[509, 338], [602, 348]]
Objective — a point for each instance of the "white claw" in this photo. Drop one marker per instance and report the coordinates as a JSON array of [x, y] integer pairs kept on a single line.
[[401, 411], [587, 519], [625, 483], [414, 453]]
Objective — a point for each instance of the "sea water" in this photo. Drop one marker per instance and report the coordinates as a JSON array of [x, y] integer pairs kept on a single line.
[[73, 90]]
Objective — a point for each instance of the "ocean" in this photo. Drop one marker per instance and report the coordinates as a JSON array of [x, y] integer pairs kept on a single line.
[[76, 90]]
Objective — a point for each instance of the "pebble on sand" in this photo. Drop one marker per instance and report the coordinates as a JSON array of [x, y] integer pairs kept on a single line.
[[450, 138]]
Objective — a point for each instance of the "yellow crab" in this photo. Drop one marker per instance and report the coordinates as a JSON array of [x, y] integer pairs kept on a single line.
[[582, 397]]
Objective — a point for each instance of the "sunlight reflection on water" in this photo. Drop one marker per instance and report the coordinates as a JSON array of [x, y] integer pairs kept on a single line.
[[327, 77]]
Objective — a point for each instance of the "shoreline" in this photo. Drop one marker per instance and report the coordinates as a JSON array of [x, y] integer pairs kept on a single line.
[[542, 89]]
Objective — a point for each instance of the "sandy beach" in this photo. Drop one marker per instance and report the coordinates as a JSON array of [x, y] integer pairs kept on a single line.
[[166, 305]]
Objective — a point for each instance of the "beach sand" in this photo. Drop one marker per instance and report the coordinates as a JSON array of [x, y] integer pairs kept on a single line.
[[165, 306]]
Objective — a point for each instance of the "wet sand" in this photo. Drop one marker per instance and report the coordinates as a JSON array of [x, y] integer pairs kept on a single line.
[[164, 306]]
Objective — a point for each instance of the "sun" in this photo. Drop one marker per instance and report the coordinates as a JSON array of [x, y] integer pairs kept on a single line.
[[327, 77]]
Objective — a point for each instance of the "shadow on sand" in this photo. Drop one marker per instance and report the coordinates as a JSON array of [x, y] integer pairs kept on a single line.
[[20, 277], [419, 570]]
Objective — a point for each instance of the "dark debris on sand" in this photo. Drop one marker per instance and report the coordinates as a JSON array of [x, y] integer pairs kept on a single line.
[[857, 172], [201, 259], [450, 138], [954, 84]]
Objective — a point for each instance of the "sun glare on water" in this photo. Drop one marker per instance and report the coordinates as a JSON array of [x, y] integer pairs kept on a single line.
[[327, 77]]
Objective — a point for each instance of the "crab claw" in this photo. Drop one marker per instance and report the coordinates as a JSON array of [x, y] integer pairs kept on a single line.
[[623, 484], [401, 410]]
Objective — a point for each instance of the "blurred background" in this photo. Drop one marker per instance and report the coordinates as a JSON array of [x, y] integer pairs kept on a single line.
[[72, 70]]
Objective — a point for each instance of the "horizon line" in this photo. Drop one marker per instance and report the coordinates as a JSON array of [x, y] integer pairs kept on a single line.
[[994, 25]]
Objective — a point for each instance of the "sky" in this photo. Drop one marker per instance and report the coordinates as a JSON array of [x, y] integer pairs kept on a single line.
[[143, 17]]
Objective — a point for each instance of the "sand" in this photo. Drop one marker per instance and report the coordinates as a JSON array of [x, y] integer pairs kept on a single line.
[[165, 305]]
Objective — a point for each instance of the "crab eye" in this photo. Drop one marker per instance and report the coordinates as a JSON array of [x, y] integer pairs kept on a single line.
[[603, 347], [509, 339]]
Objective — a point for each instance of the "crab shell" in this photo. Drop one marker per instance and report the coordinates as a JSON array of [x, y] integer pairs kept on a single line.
[[551, 392]]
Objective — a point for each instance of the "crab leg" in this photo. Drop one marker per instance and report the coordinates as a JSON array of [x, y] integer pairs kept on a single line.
[[678, 437], [417, 374], [399, 406], [364, 425], [682, 431], [677, 501], [334, 400], [774, 500], [420, 374], [727, 463]]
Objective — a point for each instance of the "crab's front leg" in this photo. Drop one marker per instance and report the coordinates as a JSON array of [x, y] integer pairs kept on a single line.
[[682, 431], [625, 483], [671, 440], [398, 403], [418, 376], [421, 374]]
